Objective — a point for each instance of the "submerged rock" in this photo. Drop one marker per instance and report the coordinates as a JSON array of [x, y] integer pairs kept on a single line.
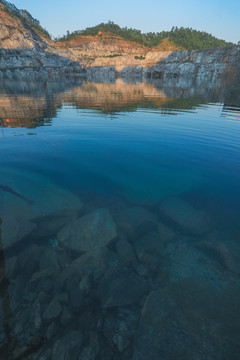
[[89, 232], [14, 230], [94, 261], [149, 250], [226, 254], [186, 261], [120, 327], [87, 353], [36, 195], [120, 287], [125, 251], [185, 215], [53, 310], [49, 225], [67, 346], [186, 321], [128, 219], [150, 243], [166, 234]]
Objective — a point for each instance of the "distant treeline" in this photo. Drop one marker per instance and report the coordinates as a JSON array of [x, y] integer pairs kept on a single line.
[[185, 38]]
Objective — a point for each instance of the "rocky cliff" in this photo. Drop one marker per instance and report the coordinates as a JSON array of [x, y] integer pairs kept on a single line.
[[208, 67], [34, 64], [26, 50], [18, 29]]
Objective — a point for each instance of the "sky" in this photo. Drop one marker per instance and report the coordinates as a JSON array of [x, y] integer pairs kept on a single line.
[[221, 18]]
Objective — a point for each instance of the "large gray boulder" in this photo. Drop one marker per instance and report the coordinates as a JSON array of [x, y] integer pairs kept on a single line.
[[89, 232]]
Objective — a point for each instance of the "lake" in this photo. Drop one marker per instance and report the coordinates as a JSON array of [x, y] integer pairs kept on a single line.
[[120, 235]]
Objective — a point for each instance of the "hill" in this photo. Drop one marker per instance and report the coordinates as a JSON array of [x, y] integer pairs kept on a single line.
[[27, 49], [184, 38]]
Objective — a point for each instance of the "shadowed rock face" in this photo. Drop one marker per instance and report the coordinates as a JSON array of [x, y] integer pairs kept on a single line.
[[29, 64]]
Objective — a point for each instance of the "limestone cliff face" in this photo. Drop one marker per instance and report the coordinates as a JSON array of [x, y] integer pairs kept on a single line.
[[207, 67], [25, 50], [36, 64], [14, 32]]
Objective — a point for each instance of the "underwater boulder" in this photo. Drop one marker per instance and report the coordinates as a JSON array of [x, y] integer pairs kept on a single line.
[[89, 232], [27, 195], [189, 219], [14, 230]]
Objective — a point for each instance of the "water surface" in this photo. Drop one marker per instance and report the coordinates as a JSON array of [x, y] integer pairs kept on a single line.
[[120, 221]]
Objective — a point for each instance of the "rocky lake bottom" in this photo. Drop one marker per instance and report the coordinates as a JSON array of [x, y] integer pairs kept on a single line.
[[120, 222]]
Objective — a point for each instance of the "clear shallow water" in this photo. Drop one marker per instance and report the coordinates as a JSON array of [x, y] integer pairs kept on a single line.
[[119, 206]]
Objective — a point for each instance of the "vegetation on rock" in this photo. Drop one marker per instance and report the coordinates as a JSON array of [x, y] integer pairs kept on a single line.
[[26, 18], [186, 38]]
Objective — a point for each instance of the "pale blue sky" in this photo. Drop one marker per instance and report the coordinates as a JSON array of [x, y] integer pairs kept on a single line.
[[218, 17]]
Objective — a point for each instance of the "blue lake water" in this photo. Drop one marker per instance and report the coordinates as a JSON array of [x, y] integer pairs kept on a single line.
[[119, 206]]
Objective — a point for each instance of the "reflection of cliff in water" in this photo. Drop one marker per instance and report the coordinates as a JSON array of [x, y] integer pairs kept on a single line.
[[30, 104], [115, 97], [24, 104], [231, 107]]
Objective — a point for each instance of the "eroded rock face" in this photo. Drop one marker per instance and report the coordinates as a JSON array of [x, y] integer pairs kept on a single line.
[[35, 64], [211, 68], [26, 51], [13, 33], [90, 232]]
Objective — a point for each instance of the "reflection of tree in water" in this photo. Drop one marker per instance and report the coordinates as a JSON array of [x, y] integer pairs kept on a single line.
[[12, 350]]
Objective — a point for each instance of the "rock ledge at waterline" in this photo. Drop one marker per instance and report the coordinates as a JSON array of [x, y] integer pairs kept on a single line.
[[212, 67]]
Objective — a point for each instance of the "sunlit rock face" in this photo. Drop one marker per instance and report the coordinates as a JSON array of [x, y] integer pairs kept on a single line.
[[26, 51], [14, 34], [23, 46], [210, 67]]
